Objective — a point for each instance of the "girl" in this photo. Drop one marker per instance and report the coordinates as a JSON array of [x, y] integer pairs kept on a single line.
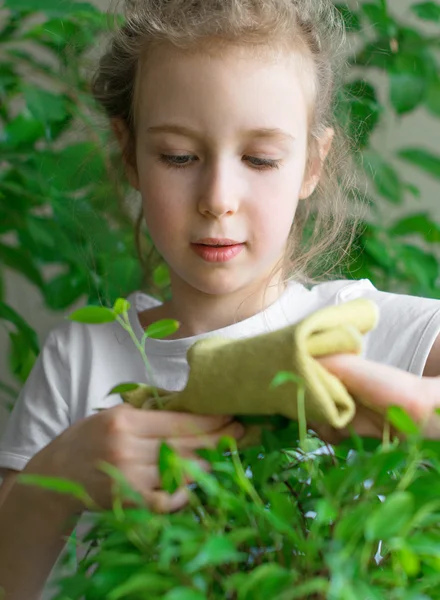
[[224, 113]]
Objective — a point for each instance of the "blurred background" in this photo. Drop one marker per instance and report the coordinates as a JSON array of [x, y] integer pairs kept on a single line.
[[66, 230]]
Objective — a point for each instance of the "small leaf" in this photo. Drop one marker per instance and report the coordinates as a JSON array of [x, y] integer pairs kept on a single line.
[[93, 315], [21, 356], [138, 584], [167, 469], [218, 550], [433, 97], [421, 224], [53, 8], [8, 314], [429, 11], [384, 176], [390, 517], [284, 376], [401, 420], [162, 329], [121, 306], [408, 84], [125, 387], [409, 561], [56, 484], [423, 159]]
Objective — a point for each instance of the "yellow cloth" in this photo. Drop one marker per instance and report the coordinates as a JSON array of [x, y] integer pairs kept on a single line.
[[233, 377]]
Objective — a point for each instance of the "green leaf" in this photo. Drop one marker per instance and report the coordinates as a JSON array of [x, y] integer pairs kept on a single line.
[[122, 274], [267, 581], [418, 266], [20, 260], [21, 356], [9, 314], [365, 110], [433, 97], [53, 8], [218, 550], [285, 376], [155, 583], [401, 420], [65, 289], [429, 11], [121, 306], [125, 387], [125, 489], [162, 329], [22, 132], [161, 276], [44, 106], [425, 160], [408, 84], [74, 167], [409, 560], [170, 478], [379, 18], [93, 315], [389, 519], [182, 593], [56, 484], [421, 224], [44, 238], [384, 176]]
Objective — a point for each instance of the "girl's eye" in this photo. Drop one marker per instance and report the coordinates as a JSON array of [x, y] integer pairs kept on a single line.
[[176, 161], [262, 164], [179, 161]]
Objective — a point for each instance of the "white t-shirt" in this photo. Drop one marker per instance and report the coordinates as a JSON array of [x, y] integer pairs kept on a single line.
[[79, 364]]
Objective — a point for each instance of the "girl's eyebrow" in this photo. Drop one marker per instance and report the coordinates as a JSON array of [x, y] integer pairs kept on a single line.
[[263, 132]]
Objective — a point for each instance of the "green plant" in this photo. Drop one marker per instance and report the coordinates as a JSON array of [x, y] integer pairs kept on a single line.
[[59, 202], [290, 519], [403, 256]]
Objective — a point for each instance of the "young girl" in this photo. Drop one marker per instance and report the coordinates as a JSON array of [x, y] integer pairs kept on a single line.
[[224, 114]]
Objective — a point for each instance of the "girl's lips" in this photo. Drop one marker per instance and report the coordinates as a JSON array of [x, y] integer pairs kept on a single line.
[[217, 254]]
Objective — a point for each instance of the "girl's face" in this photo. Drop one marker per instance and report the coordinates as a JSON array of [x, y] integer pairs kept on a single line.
[[221, 153]]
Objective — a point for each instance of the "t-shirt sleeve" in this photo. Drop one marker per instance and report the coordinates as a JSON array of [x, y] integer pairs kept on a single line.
[[41, 412], [407, 329]]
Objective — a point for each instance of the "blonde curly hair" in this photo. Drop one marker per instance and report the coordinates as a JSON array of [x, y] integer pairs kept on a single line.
[[325, 224]]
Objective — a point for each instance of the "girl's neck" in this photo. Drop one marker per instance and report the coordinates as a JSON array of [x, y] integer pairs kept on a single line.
[[200, 314]]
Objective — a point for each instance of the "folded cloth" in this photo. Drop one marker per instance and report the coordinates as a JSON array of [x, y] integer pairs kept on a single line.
[[233, 377]]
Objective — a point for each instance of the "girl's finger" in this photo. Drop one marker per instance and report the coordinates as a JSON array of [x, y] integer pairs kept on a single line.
[[380, 386], [162, 502], [168, 424]]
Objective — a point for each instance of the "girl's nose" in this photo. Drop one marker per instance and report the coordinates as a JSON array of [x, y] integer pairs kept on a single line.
[[219, 192]]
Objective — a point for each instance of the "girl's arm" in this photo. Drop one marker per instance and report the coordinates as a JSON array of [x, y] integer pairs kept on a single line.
[[34, 527], [432, 367]]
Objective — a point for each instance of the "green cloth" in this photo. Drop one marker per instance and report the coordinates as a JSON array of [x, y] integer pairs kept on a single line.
[[233, 377]]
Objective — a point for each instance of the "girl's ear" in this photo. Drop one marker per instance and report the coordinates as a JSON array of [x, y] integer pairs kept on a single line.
[[123, 136], [314, 174]]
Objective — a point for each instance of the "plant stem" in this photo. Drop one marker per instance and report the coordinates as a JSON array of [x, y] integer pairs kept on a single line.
[[126, 325]]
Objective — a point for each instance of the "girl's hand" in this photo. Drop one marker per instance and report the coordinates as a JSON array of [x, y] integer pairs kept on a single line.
[[130, 439], [382, 386]]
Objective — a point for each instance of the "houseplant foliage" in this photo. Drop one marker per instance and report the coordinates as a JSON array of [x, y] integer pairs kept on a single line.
[[284, 520], [291, 518]]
